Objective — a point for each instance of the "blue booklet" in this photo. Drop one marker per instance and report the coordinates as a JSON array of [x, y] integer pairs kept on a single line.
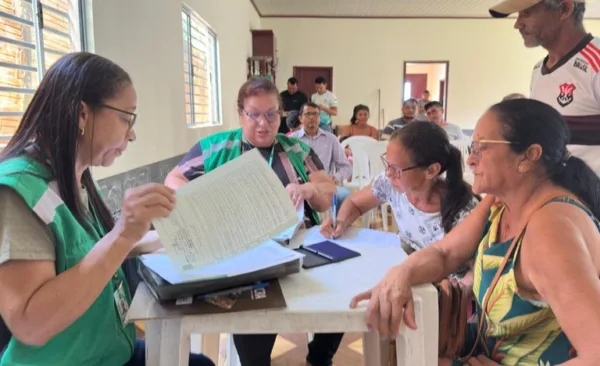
[[325, 252]]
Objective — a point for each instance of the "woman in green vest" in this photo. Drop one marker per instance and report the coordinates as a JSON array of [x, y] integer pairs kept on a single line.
[[63, 294], [298, 168]]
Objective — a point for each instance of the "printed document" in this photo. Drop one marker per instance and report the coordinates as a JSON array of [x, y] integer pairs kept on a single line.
[[230, 210]]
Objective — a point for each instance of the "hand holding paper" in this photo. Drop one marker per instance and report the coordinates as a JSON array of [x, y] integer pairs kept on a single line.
[[232, 209]]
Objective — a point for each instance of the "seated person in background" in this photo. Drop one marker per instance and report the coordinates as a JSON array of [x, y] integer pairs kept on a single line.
[[293, 122], [435, 114], [359, 124], [542, 309], [409, 113], [426, 206], [327, 147], [297, 166], [63, 294]]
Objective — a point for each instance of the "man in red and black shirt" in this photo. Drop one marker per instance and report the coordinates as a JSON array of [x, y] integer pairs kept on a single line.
[[568, 78]]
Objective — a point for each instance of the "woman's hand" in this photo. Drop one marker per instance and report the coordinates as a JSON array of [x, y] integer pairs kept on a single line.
[[330, 232], [140, 206], [389, 301], [300, 193]]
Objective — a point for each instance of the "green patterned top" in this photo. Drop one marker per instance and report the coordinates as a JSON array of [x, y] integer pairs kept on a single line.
[[516, 331]]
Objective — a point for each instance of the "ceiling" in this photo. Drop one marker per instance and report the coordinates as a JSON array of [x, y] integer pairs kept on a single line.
[[386, 8]]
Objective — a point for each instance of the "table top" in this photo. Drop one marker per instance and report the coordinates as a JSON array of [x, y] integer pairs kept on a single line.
[[317, 299]]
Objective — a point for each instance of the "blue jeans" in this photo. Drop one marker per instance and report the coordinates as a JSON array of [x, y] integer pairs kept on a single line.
[[342, 194], [139, 357]]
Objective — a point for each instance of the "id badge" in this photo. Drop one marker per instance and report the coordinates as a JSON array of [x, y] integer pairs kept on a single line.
[[121, 302]]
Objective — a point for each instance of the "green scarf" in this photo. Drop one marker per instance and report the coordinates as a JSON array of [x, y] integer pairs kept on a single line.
[[222, 147]]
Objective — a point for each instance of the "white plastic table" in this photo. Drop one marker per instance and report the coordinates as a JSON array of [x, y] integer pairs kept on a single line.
[[317, 302]]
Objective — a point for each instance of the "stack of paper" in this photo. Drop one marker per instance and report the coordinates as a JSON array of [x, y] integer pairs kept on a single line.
[[266, 255], [289, 233], [223, 222]]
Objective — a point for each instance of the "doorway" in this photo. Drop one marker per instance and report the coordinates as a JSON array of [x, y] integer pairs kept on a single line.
[[434, 76], [306, 76]]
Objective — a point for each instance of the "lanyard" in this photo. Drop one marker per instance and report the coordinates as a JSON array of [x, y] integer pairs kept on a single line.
[[271, 155]]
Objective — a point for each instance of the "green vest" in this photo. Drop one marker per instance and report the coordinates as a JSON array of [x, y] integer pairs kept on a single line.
[[98, 337], [221, 147]]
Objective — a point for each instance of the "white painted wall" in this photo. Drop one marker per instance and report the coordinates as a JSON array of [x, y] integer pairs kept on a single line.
[[145, 38], [487, 59]]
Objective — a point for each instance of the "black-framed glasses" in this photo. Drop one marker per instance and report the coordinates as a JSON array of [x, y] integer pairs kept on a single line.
[[271, 117], [132, 116], [476, 147], [397, 171]]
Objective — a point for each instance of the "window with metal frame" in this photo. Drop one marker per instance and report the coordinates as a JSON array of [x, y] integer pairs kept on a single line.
[[33, 35], [201, 71]]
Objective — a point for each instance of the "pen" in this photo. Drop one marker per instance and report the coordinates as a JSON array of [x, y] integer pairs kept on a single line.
[[320, 254], [234, 290], [334, 212]]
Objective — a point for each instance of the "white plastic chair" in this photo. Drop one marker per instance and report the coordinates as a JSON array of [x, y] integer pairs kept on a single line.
[[464, 146], [360, 161], [374, 150]]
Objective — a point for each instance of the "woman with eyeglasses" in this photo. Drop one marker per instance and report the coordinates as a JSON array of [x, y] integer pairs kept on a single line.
[[426, 205], [63, 294], [537, 250], [299, 170]]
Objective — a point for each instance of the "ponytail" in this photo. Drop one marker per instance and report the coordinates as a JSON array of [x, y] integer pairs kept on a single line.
[[577, 177], [458, 193]]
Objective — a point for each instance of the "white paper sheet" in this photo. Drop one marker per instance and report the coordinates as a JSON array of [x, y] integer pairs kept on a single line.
[[265, 255], [234, 208], [289, 233], [358, 237]]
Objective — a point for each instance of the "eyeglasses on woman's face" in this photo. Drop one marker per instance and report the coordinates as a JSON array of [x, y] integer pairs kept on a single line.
[[477, 146], [271, 116], [128, 117], [396, 171]]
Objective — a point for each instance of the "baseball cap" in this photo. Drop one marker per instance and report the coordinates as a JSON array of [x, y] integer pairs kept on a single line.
[[508, 7]]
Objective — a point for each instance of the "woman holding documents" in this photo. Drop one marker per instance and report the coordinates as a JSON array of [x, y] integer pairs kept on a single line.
[[537, 250], [62, 292], [426, 206], [299, 170]]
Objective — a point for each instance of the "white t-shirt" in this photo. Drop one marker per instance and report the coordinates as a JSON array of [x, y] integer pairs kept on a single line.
[[328, 99], [454, 132], [416, 229], [572, 87]]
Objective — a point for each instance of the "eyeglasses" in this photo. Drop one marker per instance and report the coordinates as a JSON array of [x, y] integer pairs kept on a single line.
[[310, 114], [269, 116], [397, 171], [131, 116], [477, 148]]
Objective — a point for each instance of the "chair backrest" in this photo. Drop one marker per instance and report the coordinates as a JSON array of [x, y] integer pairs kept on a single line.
[[360, 158], [464, 146], [374, 151]]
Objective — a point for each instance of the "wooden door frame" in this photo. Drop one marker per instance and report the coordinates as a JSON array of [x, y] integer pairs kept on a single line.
[[330, 68], [447, 63]]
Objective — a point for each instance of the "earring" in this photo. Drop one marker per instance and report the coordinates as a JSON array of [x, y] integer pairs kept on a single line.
[[81, 131], [520, 169]]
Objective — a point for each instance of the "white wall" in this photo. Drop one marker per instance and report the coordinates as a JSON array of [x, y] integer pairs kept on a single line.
[[145, 38], [487, 59]]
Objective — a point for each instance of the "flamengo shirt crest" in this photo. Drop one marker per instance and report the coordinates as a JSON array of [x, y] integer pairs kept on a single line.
[[572, 87]]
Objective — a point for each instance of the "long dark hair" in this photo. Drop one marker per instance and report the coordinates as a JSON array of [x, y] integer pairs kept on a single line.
[[427, 144], [52, 122], [527, 122], [358, 108]]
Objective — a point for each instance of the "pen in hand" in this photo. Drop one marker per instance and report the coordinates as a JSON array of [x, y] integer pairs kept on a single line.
[[334, 213]]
